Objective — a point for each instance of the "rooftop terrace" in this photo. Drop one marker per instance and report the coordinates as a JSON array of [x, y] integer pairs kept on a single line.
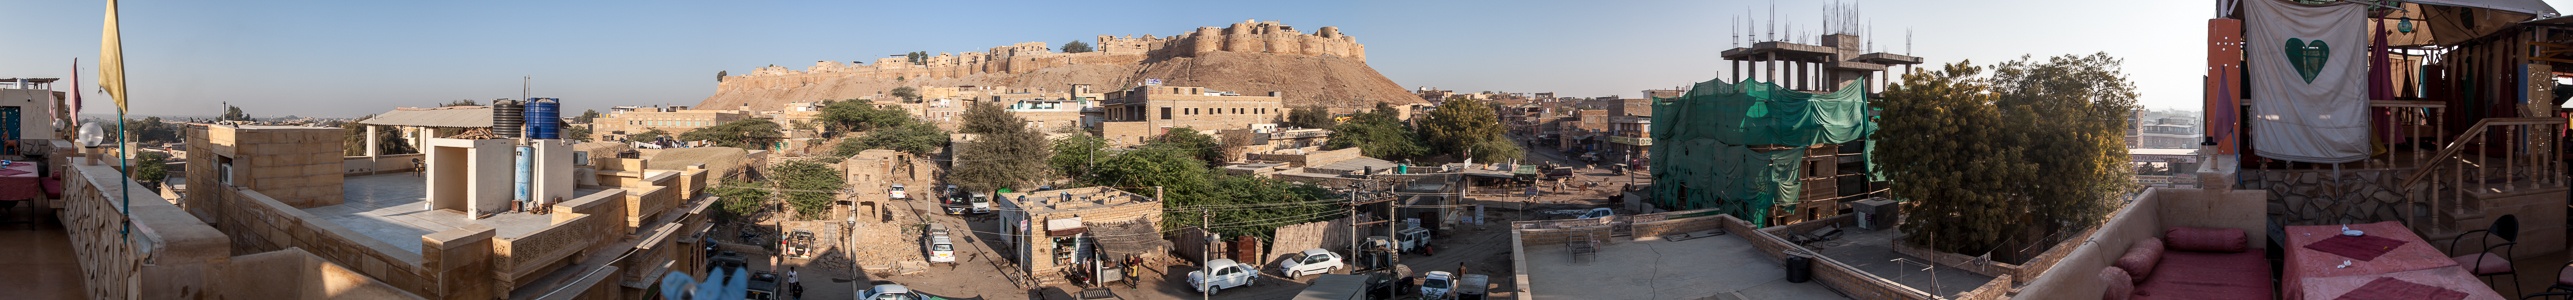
[[1725, 266], [394, 209]]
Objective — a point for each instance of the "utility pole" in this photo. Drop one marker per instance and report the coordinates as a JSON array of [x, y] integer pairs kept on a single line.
[[1206, 258]]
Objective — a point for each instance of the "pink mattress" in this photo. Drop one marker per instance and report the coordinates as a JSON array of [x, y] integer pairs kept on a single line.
[[2203, 275]]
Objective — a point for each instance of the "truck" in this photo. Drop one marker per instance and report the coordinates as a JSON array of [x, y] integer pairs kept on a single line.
[[799, 244], [1367, 286], [1436, 284], [1413, 240]]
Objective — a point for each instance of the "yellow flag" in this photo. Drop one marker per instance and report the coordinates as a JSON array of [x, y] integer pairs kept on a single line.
[[111, 61]]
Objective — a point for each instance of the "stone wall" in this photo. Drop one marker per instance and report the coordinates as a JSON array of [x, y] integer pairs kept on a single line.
[[381, 164], [295, 274], [2316, 197], [1846, 279], [161, 256], [297, 165], [520, 259], [1330, 235], [258, 223]]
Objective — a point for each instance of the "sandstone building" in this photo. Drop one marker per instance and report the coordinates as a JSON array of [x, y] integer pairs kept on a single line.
[[623, 121], [1136, 116]]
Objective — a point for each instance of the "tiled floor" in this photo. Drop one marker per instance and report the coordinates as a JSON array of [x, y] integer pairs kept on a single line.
[[36, 260]]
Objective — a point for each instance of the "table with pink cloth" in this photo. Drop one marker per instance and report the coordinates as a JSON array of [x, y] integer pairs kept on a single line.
[[18, 182], [2314, 274]]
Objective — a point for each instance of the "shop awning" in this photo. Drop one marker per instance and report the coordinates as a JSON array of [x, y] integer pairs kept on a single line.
[[1064, 227]]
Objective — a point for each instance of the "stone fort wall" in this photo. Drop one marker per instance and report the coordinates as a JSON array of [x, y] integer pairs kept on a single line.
[[1249, 36]]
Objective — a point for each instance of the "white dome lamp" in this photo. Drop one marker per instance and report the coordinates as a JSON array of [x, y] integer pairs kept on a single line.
[[91, 135]]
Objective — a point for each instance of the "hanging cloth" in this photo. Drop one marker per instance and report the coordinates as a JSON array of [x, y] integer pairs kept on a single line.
[[2309, 95]]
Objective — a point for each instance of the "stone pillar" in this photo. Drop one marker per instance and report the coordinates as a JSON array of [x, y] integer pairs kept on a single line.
[[371, 147]]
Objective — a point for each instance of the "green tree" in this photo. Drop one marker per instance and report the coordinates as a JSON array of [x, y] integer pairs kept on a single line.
[[1074, 154], [1196, 144], [719, 76], [1240, 205], [1377, 133], [915, 138], [907, 94], [1076, 46], [861, 115], [754, 134], [388, 140], [577, 133], [648, 135], [2036, 146], [151, 167], [741, 198], [1003, 153], [1313, 116], [589, 115], [1468, 127], [233, 113], [809, 187]]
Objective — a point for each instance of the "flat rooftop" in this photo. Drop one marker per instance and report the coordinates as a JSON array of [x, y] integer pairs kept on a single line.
[[1873, 251], [394, 208], [1721, 267]]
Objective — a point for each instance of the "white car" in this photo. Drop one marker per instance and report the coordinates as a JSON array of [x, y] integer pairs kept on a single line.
[[1596, 213], [1435, 284], [893, 292], [1311, 261], [1228, 274], [898, 194], [940, 249], [981, 203]]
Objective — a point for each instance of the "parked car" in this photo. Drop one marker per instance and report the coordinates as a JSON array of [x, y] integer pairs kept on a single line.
[[727, 260], [897, 192], [763, 286], [981, 203], [952, 191], [1435, 284], [1226, 274], [955, 204], [1596, 213], [893, 292], [1413, 240], [799, 244], [1311, 261], [937, 244], [1471, 286]]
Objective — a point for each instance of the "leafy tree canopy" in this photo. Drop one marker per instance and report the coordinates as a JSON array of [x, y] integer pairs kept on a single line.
[[1469, 127], [916, 138], [1314, 116], [1003, 153], [2033, 146], [1378, 133], [752, 134], [1076, 46]]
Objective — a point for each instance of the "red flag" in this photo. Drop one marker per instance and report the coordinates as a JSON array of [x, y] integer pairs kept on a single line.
[[74, 118]]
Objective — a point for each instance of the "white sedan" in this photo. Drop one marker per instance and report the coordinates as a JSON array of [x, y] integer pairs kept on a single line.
[[1311, 261]]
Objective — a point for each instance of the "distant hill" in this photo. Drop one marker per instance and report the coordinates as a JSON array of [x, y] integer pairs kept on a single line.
[[1323, 67]]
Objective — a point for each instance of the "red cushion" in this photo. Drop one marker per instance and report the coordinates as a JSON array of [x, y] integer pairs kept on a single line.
[[2119, 286], [2139, 259], [2202, 239], [2209, 276], [2484, 263]]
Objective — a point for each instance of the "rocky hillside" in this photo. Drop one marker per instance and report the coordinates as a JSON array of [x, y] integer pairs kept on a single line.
[[1321, 68]]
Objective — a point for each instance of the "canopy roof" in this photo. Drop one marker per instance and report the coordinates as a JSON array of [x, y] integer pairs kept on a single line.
[[451, 116]]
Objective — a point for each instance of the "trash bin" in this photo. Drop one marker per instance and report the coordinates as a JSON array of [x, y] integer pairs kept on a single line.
[[1799, 269]]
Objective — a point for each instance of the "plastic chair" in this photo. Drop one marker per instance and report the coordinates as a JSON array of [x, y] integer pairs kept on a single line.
[[2486, 263]]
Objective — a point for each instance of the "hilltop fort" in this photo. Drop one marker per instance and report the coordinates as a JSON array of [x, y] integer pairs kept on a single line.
[[1323, 67]]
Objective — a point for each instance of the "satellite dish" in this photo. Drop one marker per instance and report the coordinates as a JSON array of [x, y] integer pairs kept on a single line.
[[91, 135]]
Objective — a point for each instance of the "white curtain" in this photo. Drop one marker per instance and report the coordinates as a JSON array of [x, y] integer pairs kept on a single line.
[[2309, 80]]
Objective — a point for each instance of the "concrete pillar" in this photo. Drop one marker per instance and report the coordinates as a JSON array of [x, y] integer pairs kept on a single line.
[[1737, 70], [1772, 63], [371, 147], [1802, 77]]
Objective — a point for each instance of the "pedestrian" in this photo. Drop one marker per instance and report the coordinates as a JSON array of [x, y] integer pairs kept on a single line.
[[792, 282]]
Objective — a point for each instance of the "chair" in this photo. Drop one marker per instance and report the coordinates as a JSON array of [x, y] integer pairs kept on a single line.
[[2563, 279], [2485, 263]]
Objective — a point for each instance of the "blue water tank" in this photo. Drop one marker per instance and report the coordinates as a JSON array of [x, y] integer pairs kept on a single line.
[[544, 118]]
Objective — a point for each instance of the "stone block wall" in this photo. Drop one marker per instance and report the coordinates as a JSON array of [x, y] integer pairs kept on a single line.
[[1841, 277], [382, 164], [1331, 235], [459, 254], [300, 166], [2317, 197], [258, 223], [163, 254], [521, 259], [295, 274]]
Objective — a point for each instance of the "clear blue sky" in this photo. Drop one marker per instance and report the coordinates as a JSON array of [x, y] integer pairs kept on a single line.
[[350, 58]]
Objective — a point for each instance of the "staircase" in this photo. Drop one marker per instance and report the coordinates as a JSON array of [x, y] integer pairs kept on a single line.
[[2500, 166]]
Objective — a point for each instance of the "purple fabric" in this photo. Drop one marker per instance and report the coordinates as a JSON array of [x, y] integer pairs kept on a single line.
[[2203, 239], [2393, 289], [2363, 248]]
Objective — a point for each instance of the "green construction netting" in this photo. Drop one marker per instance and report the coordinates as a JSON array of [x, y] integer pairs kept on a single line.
[[1702, 155]]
